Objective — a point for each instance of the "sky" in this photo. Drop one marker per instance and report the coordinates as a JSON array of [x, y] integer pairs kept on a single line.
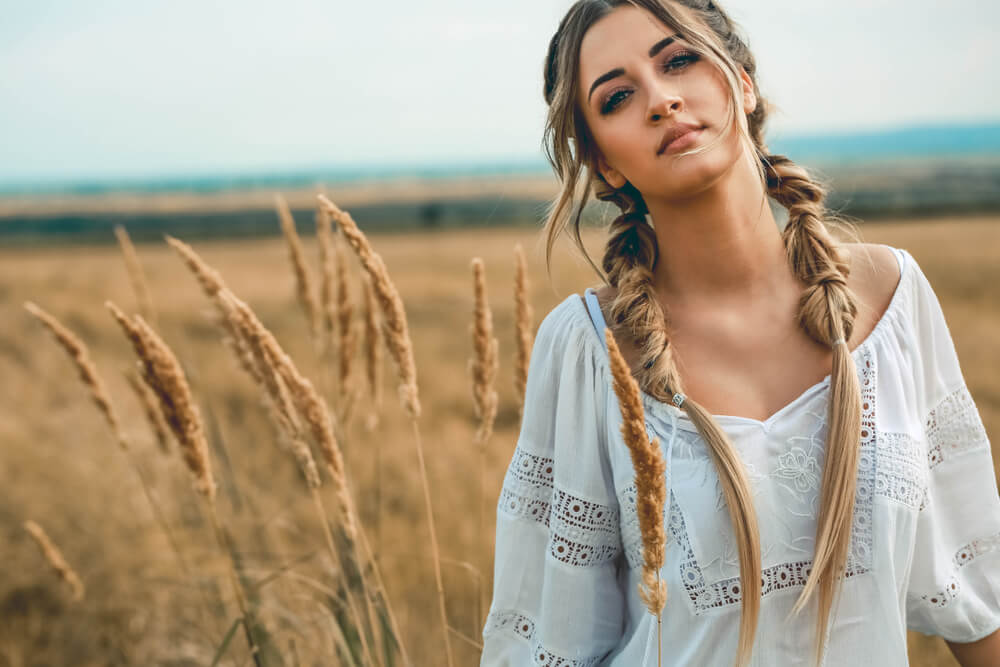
[[119, 89]]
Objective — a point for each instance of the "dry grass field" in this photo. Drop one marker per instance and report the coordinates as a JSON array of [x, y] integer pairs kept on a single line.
[[60, 464]]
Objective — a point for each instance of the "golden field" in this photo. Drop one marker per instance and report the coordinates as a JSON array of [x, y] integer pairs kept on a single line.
[[62, 467]]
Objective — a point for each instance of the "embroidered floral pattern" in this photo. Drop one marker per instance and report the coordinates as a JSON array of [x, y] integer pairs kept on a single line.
[[705, 596], [798, 470], [801, 469]]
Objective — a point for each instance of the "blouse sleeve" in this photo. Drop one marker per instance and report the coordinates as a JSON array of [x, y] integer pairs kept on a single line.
[[556, 599], [954, 580]]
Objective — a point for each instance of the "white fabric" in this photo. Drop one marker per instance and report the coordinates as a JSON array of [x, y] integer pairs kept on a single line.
[[925, 546]]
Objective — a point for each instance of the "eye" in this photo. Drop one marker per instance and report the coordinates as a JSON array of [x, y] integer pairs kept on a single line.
[[678, 61], [615, 98]]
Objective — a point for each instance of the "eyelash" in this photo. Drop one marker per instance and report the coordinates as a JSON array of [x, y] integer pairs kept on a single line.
[[612, 101]]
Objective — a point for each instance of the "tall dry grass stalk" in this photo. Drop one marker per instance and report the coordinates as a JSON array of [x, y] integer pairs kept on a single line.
[[373, 358], [293, 399], [279, 372], [55, 559], [153, 417], [397, 334], [162, 373], [483, 367], [522, 322], [303, 283], [136, 275], [485, 363], [327, 301], [345, 329], [304, 397], [401, 348], [88, 372], [78, 351], [328, 306], [647, 460], [373, 354], [211, 284]]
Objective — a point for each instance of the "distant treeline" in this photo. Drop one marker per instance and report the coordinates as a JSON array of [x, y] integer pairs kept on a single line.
[[867, 192]]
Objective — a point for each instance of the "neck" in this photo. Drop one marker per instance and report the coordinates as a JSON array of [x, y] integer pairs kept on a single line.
[[722, 244]]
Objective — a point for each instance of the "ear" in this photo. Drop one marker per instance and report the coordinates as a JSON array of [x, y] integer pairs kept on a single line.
[[749, 98], [613, 177]]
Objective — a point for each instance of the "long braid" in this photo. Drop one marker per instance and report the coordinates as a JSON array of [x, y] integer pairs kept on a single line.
[[827, 311], [630, 256]]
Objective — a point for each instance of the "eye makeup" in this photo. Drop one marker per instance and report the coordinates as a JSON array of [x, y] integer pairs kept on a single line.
[[676, 61]]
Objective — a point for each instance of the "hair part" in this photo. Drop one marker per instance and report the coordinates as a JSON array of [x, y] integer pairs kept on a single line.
[[827, 308]]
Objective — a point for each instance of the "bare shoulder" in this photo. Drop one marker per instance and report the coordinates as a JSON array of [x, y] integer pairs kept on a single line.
[[874, 276]]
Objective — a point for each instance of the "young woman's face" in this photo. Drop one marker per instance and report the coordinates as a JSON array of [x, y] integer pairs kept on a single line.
[[636, 86]]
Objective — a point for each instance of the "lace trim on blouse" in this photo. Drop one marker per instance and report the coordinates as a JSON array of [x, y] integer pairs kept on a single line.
[[513, 621], [581, 532], [965, 555], [954, 428]]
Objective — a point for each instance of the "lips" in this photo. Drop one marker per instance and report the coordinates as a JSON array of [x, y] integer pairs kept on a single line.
[[675, 131]]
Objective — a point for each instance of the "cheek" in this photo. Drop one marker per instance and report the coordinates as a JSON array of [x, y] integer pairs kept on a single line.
[[620, 145], [714, 96]]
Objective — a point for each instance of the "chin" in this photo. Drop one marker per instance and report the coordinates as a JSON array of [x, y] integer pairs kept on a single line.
[[687, 177]]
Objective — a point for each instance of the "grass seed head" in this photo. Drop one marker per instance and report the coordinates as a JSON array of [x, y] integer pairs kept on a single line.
[[397, 333], [647, 460]]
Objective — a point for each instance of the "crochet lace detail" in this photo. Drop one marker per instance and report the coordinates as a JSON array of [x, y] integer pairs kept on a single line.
[[965, 555], [527, 487], [954, 427], [515, 622], [581, 532]]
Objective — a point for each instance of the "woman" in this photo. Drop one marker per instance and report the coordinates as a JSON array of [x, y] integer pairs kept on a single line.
[[803, 524]]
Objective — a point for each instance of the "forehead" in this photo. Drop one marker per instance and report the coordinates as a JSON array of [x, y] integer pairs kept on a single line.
[[624, 34]]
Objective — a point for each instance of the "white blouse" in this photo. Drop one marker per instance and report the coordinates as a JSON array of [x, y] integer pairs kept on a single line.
[[925, 543]]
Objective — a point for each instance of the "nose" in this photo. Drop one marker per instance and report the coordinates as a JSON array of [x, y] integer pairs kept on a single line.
[[663, 103]]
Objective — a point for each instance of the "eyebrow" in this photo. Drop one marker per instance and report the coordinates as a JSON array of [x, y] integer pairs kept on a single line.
[[618, 71]]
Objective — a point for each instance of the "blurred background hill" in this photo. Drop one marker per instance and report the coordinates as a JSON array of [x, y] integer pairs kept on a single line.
[[908, 173]]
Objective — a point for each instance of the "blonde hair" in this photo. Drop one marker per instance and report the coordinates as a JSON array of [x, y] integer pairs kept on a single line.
[[827, 308]]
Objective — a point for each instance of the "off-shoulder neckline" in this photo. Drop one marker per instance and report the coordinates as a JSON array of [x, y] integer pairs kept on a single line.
[[658, 407]]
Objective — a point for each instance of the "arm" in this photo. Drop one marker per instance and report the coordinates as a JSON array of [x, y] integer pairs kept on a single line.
[[983, 653], [556, 598], [954, 587]]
